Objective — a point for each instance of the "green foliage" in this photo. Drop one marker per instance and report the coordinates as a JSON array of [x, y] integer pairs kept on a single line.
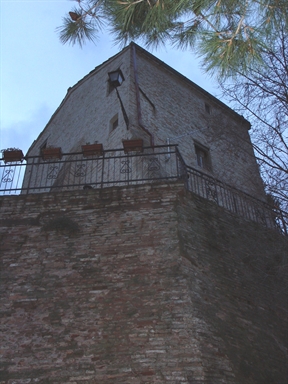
[[261, 95], [76, 32], [229, 35], [81, 25], [223, 56], [243, 40]]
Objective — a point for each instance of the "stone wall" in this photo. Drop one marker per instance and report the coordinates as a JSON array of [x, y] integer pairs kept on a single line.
[[180, 114], [143, 284], [87, 111], [170, 107]]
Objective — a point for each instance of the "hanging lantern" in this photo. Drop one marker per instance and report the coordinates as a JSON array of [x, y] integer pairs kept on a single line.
[[116, 78]]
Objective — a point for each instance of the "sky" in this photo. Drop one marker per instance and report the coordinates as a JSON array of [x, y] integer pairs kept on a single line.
[[36, 69]]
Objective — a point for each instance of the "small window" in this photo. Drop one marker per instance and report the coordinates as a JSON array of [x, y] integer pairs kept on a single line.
[[203, 157], [114, 122], [207, 108]]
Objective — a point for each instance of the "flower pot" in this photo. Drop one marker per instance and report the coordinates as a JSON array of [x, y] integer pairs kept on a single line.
[[92, 150], [135, 145], [51, 153], [14, 155]]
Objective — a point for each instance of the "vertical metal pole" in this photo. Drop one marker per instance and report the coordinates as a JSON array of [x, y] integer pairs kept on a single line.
[[102, 173]]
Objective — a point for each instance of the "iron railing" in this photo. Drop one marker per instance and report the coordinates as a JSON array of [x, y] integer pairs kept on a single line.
[[116, 168], [74, 171], [236, 201]]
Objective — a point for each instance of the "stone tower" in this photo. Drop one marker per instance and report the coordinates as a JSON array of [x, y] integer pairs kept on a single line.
[[160, 106], [153, 263]]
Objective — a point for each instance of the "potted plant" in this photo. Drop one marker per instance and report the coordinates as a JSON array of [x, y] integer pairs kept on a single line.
[[12, 155], [51, 153], [92, 149], [133, 145]]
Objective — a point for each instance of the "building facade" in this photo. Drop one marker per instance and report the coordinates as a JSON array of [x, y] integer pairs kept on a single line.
[[154, 103], [146, 283]]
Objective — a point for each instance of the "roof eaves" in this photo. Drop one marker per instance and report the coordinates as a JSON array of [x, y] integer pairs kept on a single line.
[[75, 86], [197, 87]]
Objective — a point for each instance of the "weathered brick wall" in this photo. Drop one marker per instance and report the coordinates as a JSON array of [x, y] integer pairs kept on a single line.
[[145, 284], [237, 273]]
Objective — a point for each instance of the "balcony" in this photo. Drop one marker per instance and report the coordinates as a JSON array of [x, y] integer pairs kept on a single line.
[[107, 168]]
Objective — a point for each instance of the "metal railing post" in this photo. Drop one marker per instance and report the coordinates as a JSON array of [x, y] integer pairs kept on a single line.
[[126, 170]]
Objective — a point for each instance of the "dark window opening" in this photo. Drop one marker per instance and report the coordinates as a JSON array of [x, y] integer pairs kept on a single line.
[[207, 108], [202, 157], [114, 123]]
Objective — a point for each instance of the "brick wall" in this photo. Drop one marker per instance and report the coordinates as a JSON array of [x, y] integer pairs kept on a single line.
[[143, 284], [237, 274]]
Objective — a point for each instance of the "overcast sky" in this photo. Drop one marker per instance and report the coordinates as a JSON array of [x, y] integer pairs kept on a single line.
[[37, 70]]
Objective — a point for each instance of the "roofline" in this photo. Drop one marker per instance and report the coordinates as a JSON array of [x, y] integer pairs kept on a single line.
[[198, 88], [73, 88], [160, 62]]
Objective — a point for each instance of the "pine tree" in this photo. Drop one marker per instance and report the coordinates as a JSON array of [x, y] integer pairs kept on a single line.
[[244, 42], [261, 95], [229, 35]]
